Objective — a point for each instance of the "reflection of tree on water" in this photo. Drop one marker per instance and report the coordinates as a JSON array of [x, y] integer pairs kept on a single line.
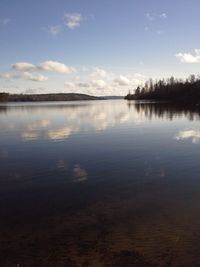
[[165, 110], [33, 107], [3, 109]]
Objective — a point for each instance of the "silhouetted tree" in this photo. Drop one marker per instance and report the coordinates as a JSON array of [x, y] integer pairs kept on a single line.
[[4, 97], [170, 89]]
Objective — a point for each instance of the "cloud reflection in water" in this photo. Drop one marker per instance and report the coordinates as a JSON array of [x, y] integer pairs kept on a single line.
[[193, 135], [60, 134], [79, 174], [76, 118]]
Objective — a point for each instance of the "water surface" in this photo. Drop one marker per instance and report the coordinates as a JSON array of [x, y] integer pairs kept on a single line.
[[99, 183]]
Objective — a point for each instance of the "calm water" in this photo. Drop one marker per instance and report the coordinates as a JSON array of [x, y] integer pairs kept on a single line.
[[99, 183]]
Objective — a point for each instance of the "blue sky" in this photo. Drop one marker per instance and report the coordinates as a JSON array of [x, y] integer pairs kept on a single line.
[[96, 47]]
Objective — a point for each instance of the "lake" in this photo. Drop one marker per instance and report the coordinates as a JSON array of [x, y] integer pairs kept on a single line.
[[99, 183]]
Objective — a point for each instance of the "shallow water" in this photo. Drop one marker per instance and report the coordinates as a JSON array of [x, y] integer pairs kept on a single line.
[[99, 183]]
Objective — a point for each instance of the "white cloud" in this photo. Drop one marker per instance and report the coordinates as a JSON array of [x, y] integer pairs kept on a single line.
[[69, 85], [34, 78], [84, 84], [110, 85], [73, 20], [7, 75], [23, 66], [93, 84], [55, 66], [98, 83], [55, 30], [24, 76], [188, 57], [140, 76], [84, 68], [163, 16], [122, 81], [154, 16], [25, 70], [98, 72]]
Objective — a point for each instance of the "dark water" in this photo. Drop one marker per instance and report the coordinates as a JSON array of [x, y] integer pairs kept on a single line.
[[100, 183]]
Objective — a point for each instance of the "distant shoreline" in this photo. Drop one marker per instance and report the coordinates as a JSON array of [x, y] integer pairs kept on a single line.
[[6, 97]]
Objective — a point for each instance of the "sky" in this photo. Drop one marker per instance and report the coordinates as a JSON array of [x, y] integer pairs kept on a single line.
[[95, 47]]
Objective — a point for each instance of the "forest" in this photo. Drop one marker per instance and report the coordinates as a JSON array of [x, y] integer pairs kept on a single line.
[[170, 90], [6, 97]]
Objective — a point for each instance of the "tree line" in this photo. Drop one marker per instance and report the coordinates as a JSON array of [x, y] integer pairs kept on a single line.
[[171, 89], [6, 97]]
